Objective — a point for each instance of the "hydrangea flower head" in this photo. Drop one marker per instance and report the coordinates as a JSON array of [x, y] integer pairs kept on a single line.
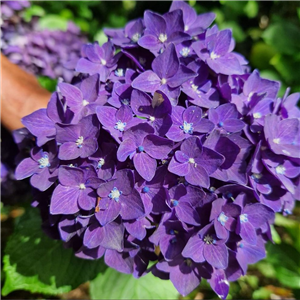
[[170, 156]]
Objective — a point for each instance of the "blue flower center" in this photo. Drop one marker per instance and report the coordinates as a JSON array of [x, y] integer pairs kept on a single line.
[[172, 232], [280, 170], [173, 240], [119, 72], [220, 124], [244, 218], [146, 189], [125, 101], [174, 202], [100, 163], [79, 142], [120, 126], [187, 127], [115, 194], [44, 161], [222, 218], [140, 149], [185, 51]]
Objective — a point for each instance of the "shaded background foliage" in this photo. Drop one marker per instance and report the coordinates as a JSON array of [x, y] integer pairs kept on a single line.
[[267, 34]]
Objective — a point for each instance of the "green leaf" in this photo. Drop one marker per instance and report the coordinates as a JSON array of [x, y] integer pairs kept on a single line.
[[47, 83], [284, 36], [100, 37], [275, 235], [287, 67], [261, 293], [115, 285], [285, 260], [251, 9], [261, 55], [33, 10], [53, 22], [36, 263]]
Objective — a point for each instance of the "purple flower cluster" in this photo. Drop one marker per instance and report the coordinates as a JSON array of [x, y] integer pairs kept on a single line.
[[40, 52], [165, 148], [9, 8]]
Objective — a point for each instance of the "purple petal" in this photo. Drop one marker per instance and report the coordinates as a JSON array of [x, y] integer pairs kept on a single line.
[[132, 206], [178, 168], [145, 165], [166, 64], [26, 168], [219, 283], [157, 147], [223, 41], [87, 199], [198, 176], [43, 180], [86, 66], [109, 211], [39, 124], [115, 260], [248, 233], [154, 23], [64, 200], [184, 278], [194, 249], [184, 74], [233, 125], [70, 176], [127, 148], [258, 214], [147, 82], [216, 255], [68, 151], [186, 213]]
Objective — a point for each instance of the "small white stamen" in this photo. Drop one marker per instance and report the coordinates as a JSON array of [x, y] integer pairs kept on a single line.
[[222, 218], [163, 81], [152, 119], [194, 87], [103, 61], [276, 141], [185, 52], [85, 102], [280, 169], [187, 127], [208, 240], [120, 126], [115, 194], [125, 101], [257, 115], [191, 160], [79, 142], [257, 175], [135, 37], [162, 37], [119, 72], [244, 218], [44, 162], [186, 28], [213, 55], [82, 186], [101, 162]]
